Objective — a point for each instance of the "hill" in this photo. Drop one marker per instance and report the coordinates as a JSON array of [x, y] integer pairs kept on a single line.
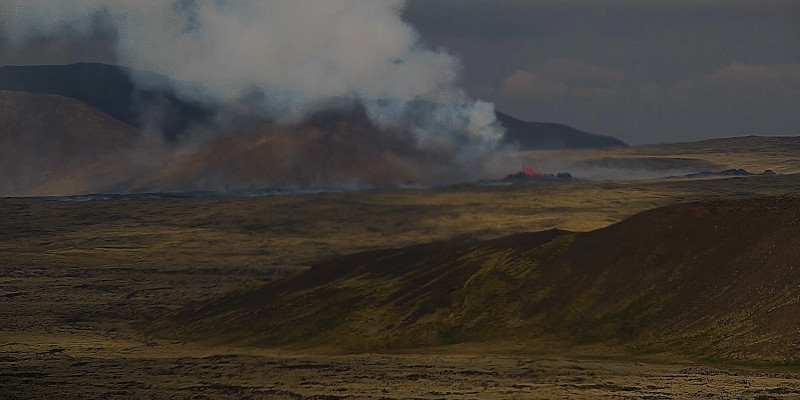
[[112, 90], [712, 280], [56, 145], [333, 148], [549, 136]]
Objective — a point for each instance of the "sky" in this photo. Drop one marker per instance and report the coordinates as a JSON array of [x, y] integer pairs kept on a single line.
[[643, 71]]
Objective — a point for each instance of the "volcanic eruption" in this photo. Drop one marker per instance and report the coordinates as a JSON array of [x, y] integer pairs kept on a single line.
[[303, 93]]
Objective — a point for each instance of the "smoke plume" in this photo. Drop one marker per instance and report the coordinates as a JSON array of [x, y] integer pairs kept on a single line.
[[287, 61]]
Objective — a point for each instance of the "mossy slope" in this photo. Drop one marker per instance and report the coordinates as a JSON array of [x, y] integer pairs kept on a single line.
[[718, 280]]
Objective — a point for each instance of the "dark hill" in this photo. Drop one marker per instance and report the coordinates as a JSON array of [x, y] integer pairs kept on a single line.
[[111, 89], [548, 136], [714, 280]]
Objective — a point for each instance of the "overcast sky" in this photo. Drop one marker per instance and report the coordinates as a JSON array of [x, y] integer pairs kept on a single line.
[[645, 71], [642, 70]]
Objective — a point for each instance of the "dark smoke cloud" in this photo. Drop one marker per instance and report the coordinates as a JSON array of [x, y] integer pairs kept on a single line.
[[95, 39]]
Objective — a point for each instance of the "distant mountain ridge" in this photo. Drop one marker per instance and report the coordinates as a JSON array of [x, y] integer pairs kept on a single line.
[[111, 89], [551, 136]]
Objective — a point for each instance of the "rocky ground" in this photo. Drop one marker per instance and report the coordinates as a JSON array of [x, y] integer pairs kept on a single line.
[[171, 371], [66, 334]]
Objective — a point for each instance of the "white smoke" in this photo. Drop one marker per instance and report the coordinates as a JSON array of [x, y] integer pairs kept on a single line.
[[301, 54]]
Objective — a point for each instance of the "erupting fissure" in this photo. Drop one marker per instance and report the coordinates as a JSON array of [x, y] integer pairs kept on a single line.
[[529, 171]]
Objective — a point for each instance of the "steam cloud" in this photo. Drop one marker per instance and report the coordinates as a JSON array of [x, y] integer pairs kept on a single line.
[[300, 56]]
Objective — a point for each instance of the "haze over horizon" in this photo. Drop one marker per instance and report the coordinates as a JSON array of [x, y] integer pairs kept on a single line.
[[645, 72]]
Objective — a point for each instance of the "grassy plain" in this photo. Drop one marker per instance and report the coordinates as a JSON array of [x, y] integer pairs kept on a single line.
[[78, 278]]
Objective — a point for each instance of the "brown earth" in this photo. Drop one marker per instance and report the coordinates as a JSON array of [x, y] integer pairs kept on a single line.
[[53, 145], [341, 149]]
